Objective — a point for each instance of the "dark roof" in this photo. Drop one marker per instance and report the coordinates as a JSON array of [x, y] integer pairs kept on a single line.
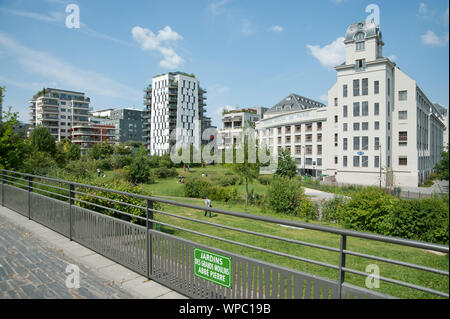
[[295, 102]]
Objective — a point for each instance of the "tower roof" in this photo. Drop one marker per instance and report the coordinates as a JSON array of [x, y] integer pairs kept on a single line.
[[369, 28], [294, 102]]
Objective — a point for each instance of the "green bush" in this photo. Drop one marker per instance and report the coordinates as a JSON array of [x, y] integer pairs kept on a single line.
[[308, 209], [265, 179], [229, 180], [197, 188], [164, 172], [104, 164], [367, 208], [40, 163], [120, 161], [140, 171], [333, 209], [419, 219], [284, 196], [223, 194]]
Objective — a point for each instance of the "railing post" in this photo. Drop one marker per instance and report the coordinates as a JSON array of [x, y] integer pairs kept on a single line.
[[3, 187], [71, 202], [343, 246], [149, 225], [30, 189]]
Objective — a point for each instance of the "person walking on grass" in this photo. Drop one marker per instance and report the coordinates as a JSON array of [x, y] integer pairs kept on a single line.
[[98, 172], [207, 204]]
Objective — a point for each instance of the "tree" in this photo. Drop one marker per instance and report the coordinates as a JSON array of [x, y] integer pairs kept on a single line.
[[13, 147], [140, 168], [286, 165], [247, 169], [72, 151], [442, 167], [43, 141], [101, 150]]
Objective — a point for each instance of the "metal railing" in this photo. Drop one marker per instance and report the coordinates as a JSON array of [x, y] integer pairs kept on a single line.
[[84, 214]]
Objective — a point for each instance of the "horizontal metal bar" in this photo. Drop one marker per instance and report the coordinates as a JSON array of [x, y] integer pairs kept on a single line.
[[248, 246], [22, 179], [111, 200], [396, 262], [109, 208], [339, 231], [18, 184], [398, 282], [43, 190], [51, 186], [293, 241]]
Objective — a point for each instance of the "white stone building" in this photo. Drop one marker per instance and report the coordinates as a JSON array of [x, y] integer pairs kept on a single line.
[[59, 110], [297, 124], [382, 128], [174, 102], [234, 122]]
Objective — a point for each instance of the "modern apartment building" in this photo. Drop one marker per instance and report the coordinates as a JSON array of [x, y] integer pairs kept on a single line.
[[381, 127], [235, 121], [85, 136], [59, 110], [174, 104], [128, 123], [297, 124], [444, 111]]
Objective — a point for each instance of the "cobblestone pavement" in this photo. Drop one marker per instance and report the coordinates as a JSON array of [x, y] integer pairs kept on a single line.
[[31, 269]]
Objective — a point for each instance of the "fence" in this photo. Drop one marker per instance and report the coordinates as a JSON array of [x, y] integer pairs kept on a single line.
[[142, 242]]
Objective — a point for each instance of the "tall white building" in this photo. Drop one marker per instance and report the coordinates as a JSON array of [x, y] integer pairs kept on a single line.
[[174, 102], [59, 110], [381, 125]]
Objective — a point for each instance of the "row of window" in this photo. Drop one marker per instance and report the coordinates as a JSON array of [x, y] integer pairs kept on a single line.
[[363, 161]]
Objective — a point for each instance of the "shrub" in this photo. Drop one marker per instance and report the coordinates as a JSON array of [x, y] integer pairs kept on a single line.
[[164, 172], [140, 171], [197, 188], [308, 209], [120, 161], [333, 209], [284, 196], [224, 194], [367, 208], [39, 163], [228, 180], [104, 164], [265, 179]]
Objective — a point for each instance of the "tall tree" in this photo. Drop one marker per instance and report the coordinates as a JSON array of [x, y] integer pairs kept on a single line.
[[43, 141], [286, 165]]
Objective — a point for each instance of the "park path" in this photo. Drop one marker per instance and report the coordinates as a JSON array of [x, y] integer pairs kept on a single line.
[[33, 261]]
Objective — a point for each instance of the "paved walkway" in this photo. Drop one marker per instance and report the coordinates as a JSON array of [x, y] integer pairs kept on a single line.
[[33, 261]]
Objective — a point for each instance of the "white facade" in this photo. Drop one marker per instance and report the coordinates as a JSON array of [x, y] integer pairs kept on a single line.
[[385, 127], [297, 124], [59, 111], [233, 124], [175, 107]]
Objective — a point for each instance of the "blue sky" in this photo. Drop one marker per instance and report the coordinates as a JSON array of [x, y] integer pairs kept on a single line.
[[244, 52]]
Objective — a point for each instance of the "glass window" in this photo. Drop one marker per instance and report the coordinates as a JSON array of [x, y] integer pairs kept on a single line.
[[355, 161], [377, 125], [365, 108], [402, 138], [360, 65], [365, 143], [344, 161], [355, 87], [402, 95], [345, 110], [360, 46], [377, 143], [376, 109], [377, 162], [376, 87], [356, 109], [345, 89], [365, 86], [365, 161], [356, 145], [365, 126], [345, 127], [403, 115], [345, 144], [403, 161], [355, 126]]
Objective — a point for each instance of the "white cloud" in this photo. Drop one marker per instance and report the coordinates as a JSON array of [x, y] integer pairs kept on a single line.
[[226, 107], [247, 27], [393, 57], [160, 42], [277, 28], [216, 8], [54, 16], [65, 74], [431, 39], [423, 9], [331, 54]]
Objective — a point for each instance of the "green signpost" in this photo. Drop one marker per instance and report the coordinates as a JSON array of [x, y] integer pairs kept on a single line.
[[212, 267]]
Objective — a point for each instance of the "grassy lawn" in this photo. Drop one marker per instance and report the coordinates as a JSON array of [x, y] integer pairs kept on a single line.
[[170, 187]]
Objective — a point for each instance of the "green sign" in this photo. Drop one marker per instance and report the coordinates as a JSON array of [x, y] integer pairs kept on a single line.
[[212, 267]]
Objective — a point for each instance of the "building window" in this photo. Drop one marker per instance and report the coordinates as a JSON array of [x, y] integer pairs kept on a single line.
[[402, 95], [377, 162], [298, 149], [335, 160], [365, 126], [356, 109], [298, 128], [335, 119], [402, 138], [355, 87], [360, 46], [344, 161], [403, 115], [319, 162], [365, 143], [345, 128], [365, 86], [335, 140], [345, 144], [345, 111], [335, 101], [356, 145], [376, 109], [355, 126], [403, 161], [319, 126], [377, 143], [365, 161], [319, 149], [345, 90], [319, 137], [360, 65], [365, 108], [389, 87], [376, 87], [355, 161]]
